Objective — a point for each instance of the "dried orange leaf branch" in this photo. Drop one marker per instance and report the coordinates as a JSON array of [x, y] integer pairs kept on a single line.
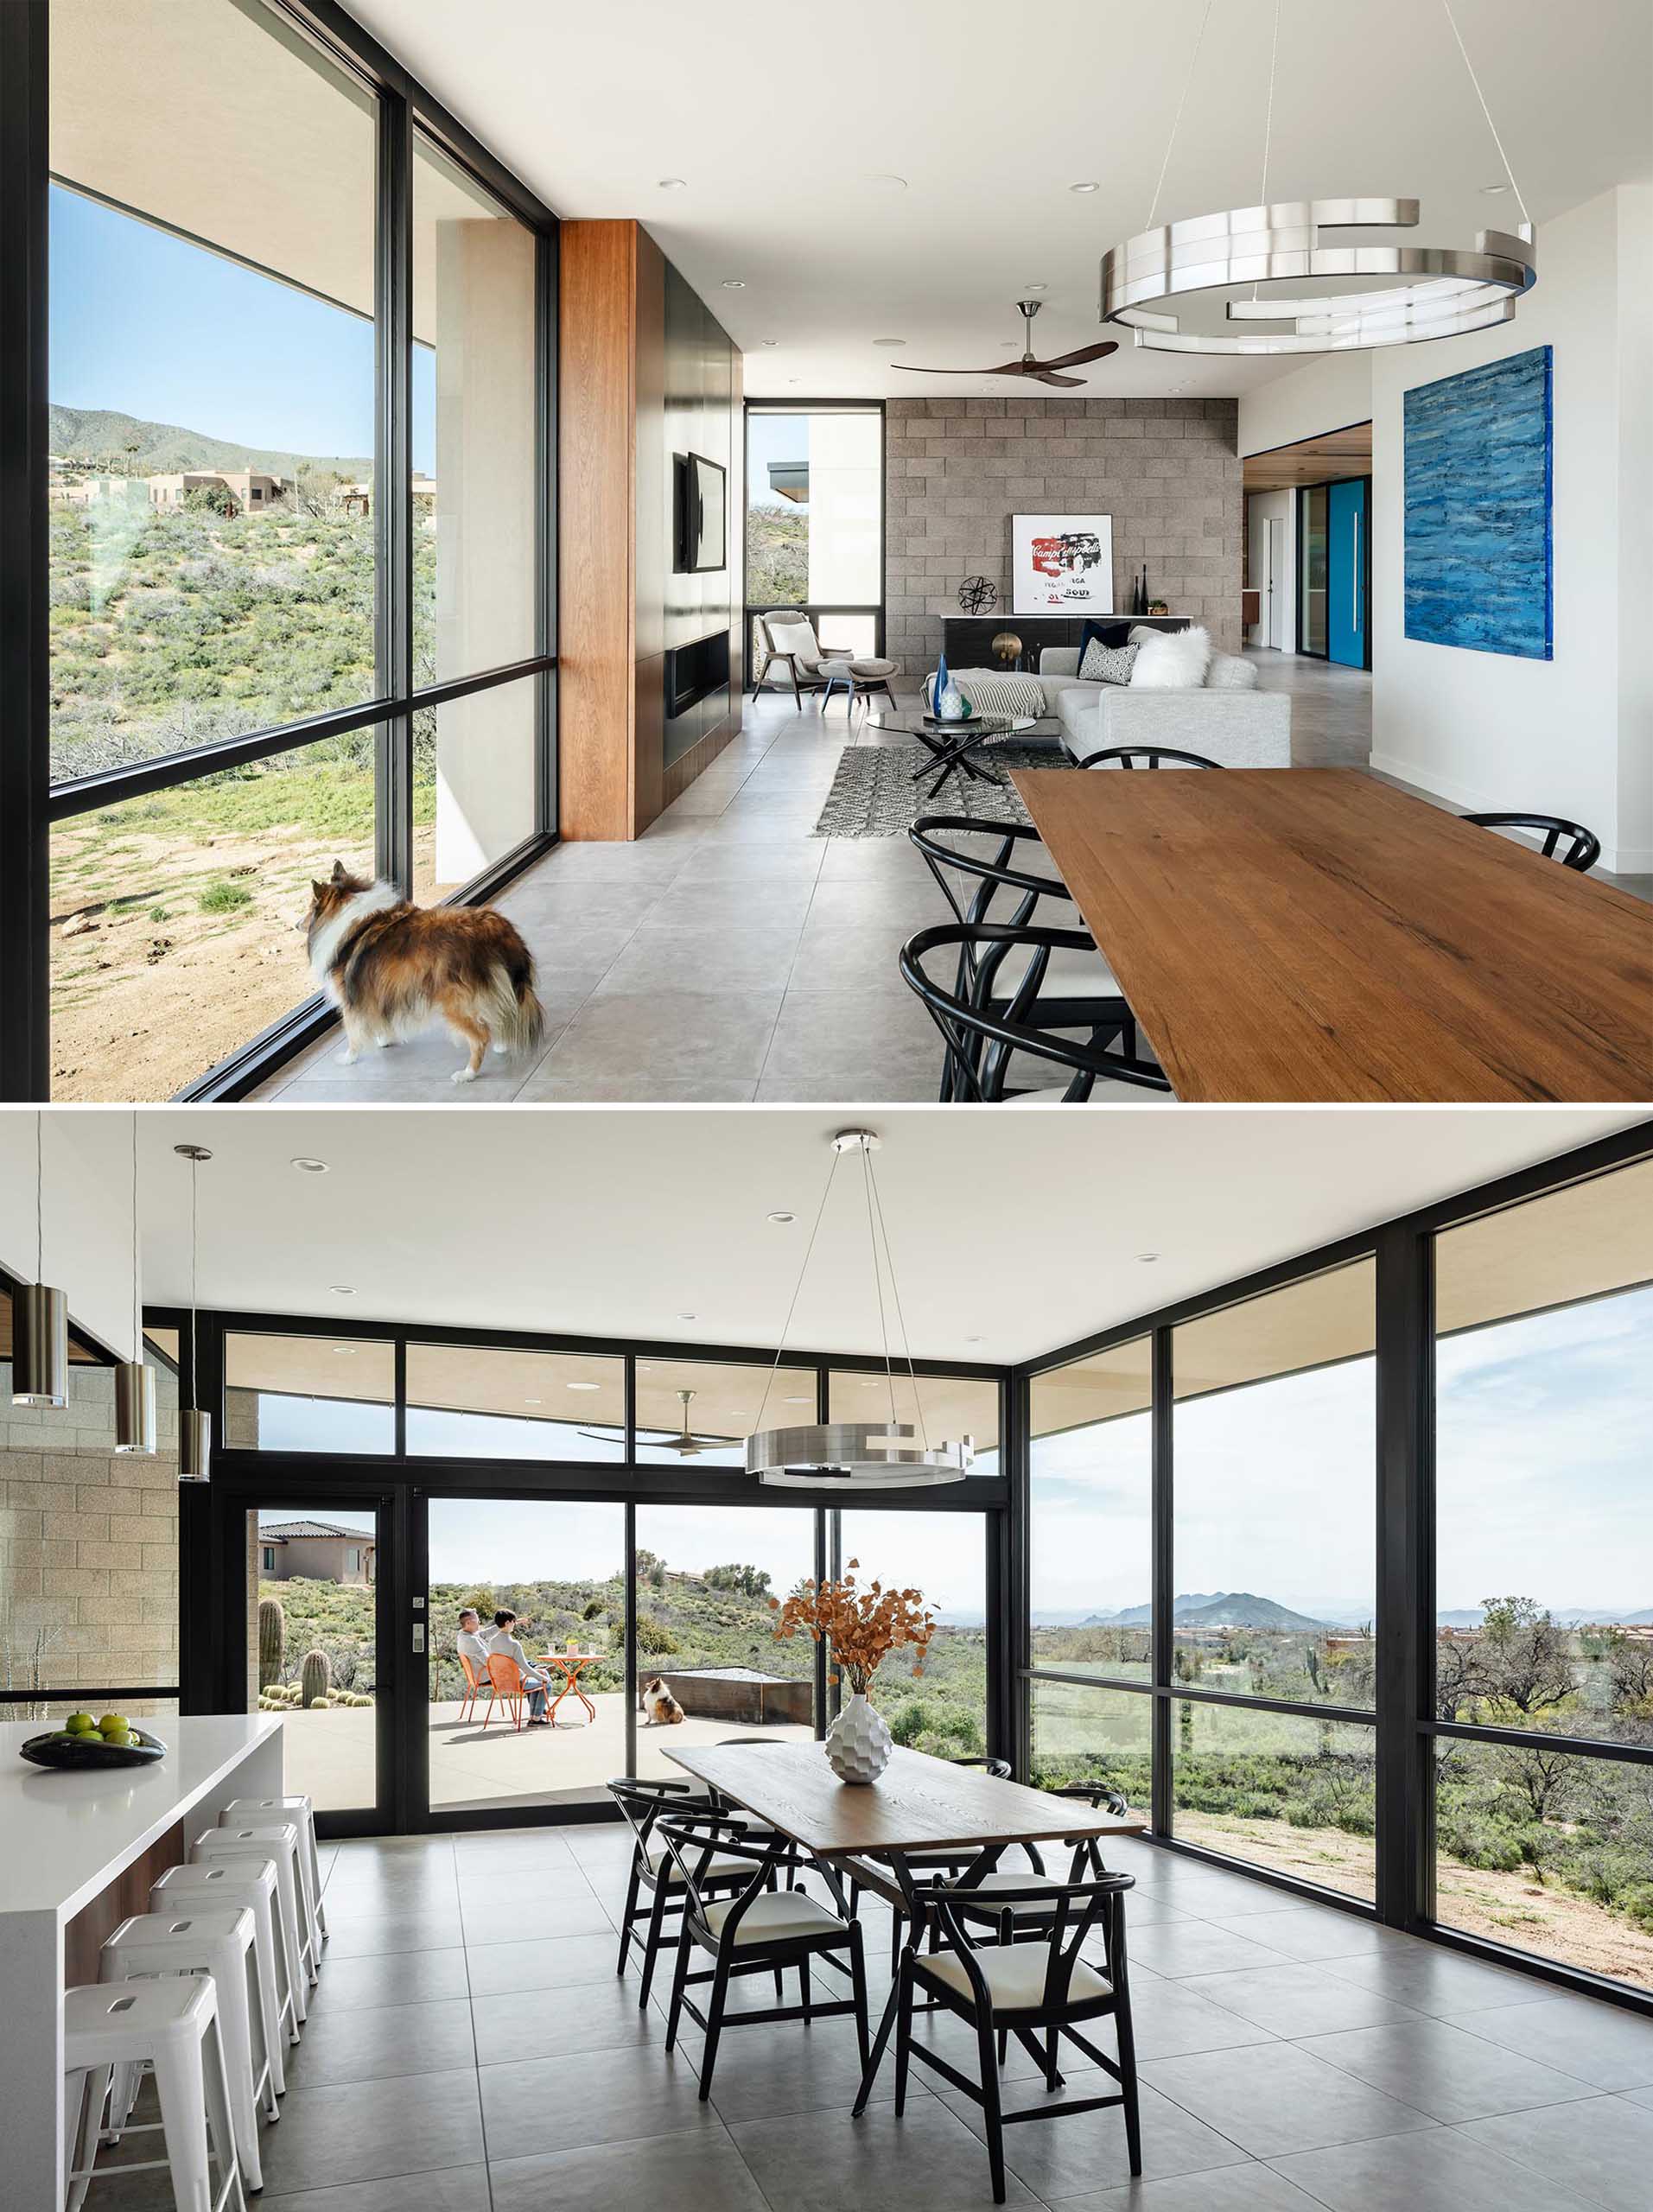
[[862, 1626]]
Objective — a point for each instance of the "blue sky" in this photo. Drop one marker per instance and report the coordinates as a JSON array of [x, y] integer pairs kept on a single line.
[[773, 437], [148, 324]]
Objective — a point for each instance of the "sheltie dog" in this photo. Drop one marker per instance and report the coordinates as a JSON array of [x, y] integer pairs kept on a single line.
[[389, 966], [655, 1700]]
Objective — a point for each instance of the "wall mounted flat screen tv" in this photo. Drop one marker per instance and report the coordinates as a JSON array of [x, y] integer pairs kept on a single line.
[[699, 503]]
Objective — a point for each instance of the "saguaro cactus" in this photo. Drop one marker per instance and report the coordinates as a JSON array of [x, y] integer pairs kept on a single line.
[[315, 1677], [272, 1634]]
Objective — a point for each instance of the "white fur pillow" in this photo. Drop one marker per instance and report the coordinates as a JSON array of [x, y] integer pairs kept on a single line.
[[1173, 660]]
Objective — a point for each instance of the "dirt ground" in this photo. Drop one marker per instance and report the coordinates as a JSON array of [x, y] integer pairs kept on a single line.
[[148, 990], [1512, 1909]]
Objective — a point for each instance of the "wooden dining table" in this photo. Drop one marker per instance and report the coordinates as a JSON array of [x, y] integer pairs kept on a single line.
[[918, 1804], [1314, 934]]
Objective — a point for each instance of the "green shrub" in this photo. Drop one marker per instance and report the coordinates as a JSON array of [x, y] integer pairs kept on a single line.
[[223, 897]]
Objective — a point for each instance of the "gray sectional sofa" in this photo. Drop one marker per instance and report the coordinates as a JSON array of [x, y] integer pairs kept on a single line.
[[1227, 718]]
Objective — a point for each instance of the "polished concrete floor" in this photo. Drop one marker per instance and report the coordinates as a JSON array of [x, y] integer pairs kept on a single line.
[[729, 955], [471, 2046]]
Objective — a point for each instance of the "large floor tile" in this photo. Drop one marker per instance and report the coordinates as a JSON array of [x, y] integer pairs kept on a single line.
[[928, 2161], [675, 1034], [604, 2016], [547, 1086], [544, 1962], [1610, 2049], [762, 2072], [1250, 2188], [392, 1928], [1603, 2147], [1298, 2000], [386, 2040], [393, 1978], [1432, 1978], [1440, 2172], [852, 1028], [1311, 1932], [524, 1916], [734, 956], [838, 955], [346, 2132], [1443, 2071], [1181, 1948], [1273, 2098], [1063, 2157], [610, 2096], [670, 2173], [1172, 2018]]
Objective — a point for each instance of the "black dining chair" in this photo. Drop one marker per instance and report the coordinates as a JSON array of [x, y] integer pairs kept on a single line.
[[1570, 843], [653, 1894], [980, 1037], [762, 1929], [940, 1861], [1038, 1991], [1148, 756], [757, 1831]]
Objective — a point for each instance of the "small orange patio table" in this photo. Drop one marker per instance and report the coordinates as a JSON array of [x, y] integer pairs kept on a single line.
[[569, 1664]]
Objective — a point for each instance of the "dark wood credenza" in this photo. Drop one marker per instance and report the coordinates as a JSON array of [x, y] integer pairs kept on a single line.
[[967, 639]]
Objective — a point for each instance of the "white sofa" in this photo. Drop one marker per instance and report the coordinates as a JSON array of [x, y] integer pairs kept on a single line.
[[1227, 718]]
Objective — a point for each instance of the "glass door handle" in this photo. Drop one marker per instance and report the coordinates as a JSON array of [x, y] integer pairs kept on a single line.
[[1354, 576]]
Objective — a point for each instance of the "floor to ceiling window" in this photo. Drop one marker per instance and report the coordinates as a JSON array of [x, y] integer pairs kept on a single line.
[[1544, 1651], [814, 518], [258, 528], [937, 1704]]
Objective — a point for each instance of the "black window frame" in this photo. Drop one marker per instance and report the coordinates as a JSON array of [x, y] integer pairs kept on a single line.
[[816, 609], [30, 803], [1403, 1715]]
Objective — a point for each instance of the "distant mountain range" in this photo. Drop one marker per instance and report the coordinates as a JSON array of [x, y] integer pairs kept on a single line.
[[1569, 1616], [1244, 1609], [95, 434]]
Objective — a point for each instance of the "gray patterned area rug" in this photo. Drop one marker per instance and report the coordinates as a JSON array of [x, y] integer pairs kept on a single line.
[[874, 794]]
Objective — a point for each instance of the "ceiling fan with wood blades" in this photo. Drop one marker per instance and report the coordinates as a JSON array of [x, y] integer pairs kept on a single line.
[[1029, 364], [686, 1443]]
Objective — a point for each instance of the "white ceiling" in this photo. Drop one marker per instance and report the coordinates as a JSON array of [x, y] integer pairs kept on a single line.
[[782, 122], [1020, 1230]]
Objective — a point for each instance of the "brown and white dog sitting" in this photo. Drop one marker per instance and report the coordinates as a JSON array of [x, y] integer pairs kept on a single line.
[[389, 966], [655, 1700]]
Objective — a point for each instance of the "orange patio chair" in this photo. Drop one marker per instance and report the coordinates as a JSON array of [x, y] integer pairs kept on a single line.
[[474, 1689], [505, 1678]]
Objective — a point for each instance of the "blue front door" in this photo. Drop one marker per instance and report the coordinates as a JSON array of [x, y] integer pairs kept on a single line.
[[1346, 568]]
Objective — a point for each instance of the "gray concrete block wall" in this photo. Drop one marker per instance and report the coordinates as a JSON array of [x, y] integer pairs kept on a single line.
[[957, 470], [88, 1540]]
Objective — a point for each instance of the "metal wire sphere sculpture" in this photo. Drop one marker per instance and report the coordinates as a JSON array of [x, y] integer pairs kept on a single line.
[[979, 595]]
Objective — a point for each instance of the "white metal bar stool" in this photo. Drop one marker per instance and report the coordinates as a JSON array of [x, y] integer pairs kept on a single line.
[[301, 1810], [171, 2027], [215, 1886], [220, 1944], [276, 1840]]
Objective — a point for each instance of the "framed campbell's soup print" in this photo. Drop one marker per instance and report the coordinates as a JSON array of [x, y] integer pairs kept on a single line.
[[1062, 564]]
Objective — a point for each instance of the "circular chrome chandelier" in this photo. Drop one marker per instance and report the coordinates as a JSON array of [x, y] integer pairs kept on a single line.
[[856, 1455], [1263, 255]]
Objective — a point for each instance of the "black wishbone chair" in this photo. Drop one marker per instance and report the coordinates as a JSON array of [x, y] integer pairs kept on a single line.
[[942, 1861], [654, 1893], [1583, 845], [1038, 1986], [980, 1036], [1079, 988], [1148, 756], [757, 1831], [763, 1929]]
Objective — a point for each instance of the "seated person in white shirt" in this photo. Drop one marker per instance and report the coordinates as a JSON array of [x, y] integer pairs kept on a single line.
[[503, 1644], [472, 1644]]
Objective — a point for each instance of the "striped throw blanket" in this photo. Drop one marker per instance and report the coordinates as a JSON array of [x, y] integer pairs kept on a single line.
[[994, 691]]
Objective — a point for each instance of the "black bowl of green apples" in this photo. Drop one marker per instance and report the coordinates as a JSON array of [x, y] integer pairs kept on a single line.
[[83, 1745]]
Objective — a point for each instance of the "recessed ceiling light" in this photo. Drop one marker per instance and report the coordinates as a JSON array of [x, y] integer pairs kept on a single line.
[[1038, 287], [735, 283], [311, 1167], [687, 1317], [672, 183], [1493, 190], [799, 1401], [769, 341], [1084, 187], [888, 178], [342, 1289], [869, 1382], [889, 341], [974, 1340], [584, 1386], [783, 1216], [532, 1401], [346, 1352], [1147, 1258]]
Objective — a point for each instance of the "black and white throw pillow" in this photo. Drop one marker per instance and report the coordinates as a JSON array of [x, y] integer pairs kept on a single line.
[[1107, 663]]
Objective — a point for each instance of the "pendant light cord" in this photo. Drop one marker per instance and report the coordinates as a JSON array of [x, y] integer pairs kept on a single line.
[[797, 1289], [194, 1261], [878, 1277], [1176, 123], [900, 1318], [1485, 111]]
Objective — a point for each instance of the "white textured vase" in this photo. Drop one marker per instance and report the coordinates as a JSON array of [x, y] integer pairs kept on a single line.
[[858, 1743], [951, 707]]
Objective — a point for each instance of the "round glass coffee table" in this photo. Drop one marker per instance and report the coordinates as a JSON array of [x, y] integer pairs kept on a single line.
[[949, 744]]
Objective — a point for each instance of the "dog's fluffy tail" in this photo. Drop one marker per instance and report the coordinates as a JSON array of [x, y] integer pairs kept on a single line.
[[511, 1006]]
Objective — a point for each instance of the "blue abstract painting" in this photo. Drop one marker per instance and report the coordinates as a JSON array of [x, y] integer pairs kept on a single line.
[[1478, 508]]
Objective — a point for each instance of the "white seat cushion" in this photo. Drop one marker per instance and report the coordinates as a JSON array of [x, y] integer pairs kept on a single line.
[[1070, 975], [1116, 1094], [1014, 1974], [794, 637], [657, 1857], [873, 667], [777, 1916]]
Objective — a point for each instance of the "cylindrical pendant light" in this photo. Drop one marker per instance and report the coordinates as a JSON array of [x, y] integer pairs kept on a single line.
[[195, 1426], [135, 1427], [39, 1317]]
